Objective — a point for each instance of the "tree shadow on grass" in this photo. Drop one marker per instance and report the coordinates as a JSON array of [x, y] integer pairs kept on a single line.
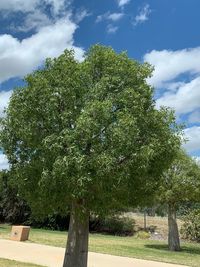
[[185, 249]]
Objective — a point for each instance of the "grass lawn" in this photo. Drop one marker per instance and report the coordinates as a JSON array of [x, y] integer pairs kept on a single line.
[[122, 246], [8, 263]]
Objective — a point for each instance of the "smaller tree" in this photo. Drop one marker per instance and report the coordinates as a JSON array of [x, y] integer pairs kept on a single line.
[[181, 182]]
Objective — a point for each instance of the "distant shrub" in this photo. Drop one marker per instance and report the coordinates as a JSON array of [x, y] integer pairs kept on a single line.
[[52, 221], [114, 225], [152, 228], [191, 227], [143, 235]]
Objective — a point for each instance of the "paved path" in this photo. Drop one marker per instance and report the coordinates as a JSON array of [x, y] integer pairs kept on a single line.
[[53, 256]]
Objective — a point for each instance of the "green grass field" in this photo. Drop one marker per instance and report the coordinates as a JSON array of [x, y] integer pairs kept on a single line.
[[8, 263], [122, 246]]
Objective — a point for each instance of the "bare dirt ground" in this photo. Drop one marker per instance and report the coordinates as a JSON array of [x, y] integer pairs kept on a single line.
[[160, 224]]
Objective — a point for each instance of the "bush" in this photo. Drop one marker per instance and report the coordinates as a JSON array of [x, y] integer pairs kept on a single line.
[[143, 235], [52, 221], [114, 225], [191, 226]]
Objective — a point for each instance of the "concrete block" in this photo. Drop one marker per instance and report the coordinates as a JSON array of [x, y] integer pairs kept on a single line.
[[20, 233]]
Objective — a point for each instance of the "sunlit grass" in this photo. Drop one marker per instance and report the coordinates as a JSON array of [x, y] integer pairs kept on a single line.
[[9, 263]]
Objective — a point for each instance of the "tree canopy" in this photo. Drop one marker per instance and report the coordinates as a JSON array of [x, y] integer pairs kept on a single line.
[[181, 182], [88, 130]]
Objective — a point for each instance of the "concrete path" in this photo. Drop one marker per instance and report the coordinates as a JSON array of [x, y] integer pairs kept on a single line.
[[53, 256]]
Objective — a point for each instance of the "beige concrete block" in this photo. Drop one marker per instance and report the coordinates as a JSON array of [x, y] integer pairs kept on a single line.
[[20, 233]]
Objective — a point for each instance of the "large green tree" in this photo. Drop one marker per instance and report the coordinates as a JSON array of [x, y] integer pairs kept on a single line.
[[181, 183], [87, 135]]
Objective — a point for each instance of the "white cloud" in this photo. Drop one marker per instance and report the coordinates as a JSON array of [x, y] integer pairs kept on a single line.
[[81, 14], [18, 5], [172, 68], [57, 6], [111, 29], [170, 64], [143, 15], [185, 99], [122, 3], [35, 13], [115, 16], [30, 5], [3, 162], [194, 117], [193, 136], [183, 96], [18, 58], [33, 21], [4, 99], [109, 16]]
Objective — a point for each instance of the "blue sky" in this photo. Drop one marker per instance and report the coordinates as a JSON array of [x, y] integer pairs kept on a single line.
[[164, 33]]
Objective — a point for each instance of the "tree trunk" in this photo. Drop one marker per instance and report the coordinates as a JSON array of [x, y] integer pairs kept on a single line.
[[173, 234], [76, 253], [145, 220]]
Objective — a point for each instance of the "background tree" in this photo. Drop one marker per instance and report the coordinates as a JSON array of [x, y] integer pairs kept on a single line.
[[13, 209], [181, 183], [190, 228], [87, 135]]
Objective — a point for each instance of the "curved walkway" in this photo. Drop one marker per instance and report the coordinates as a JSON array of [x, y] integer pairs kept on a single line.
[[53, 256]]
